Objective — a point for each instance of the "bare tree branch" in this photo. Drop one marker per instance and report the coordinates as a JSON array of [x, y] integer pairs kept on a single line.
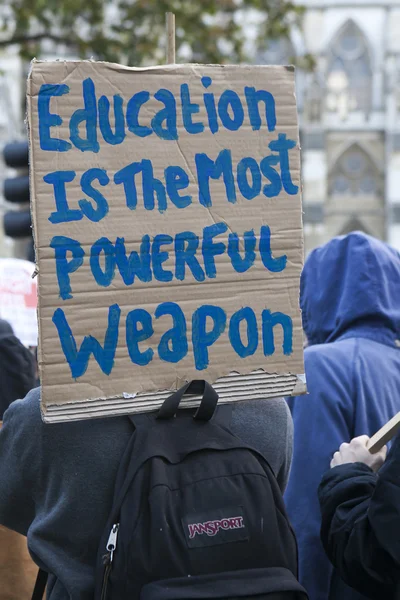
[[24, 39]]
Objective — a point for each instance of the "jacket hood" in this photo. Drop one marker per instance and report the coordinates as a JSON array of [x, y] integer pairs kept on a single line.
[[17, 371], [351, 284], [5, 328]]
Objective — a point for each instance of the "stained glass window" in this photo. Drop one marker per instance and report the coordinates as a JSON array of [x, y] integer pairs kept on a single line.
[[355, 174]]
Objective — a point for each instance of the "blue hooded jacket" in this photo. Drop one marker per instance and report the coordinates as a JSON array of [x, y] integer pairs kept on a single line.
[[350, 298]]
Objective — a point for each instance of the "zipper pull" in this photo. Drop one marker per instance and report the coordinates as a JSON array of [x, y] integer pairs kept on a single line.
[[112, 541]]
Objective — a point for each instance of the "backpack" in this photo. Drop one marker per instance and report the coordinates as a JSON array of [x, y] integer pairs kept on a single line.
[[196, 513]]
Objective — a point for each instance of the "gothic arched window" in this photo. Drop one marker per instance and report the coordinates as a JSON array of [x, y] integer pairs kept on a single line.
[[354, 174], [349, 70], [354, 224]]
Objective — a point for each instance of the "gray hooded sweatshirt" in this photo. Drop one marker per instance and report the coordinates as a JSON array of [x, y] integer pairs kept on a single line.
[[56, 481]]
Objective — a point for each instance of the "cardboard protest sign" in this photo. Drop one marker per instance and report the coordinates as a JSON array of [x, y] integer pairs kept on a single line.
[[167, 222], [18, 298], [384, 434]]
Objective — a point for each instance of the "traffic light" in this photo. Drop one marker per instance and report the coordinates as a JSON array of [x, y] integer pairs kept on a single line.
[[17, 223]]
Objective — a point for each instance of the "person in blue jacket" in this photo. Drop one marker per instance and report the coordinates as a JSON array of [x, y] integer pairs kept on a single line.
[[350, 299]]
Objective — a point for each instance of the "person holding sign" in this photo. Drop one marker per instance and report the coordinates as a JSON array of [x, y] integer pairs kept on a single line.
[[351, 317], [57, 481], [360, 509], [167, 220]]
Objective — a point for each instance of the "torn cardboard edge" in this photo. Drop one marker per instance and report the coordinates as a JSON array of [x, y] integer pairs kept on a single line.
[[257, 385], [156, 68]]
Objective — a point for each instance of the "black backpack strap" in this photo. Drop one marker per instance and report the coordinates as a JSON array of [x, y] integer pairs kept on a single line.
[[40, 585], [198, 386]]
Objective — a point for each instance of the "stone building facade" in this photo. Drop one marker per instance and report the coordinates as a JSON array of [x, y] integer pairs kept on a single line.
[[350, 119], [349, 108]]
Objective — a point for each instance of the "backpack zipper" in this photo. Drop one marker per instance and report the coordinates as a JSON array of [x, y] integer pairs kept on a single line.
[[112, 541], [108, 558]]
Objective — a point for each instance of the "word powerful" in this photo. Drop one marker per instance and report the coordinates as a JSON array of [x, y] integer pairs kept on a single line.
[[163, 257]]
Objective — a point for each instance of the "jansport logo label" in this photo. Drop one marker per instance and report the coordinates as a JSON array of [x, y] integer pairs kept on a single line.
[[211, 528]]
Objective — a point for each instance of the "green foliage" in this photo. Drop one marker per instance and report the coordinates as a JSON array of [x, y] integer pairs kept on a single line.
[[133, 31]]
